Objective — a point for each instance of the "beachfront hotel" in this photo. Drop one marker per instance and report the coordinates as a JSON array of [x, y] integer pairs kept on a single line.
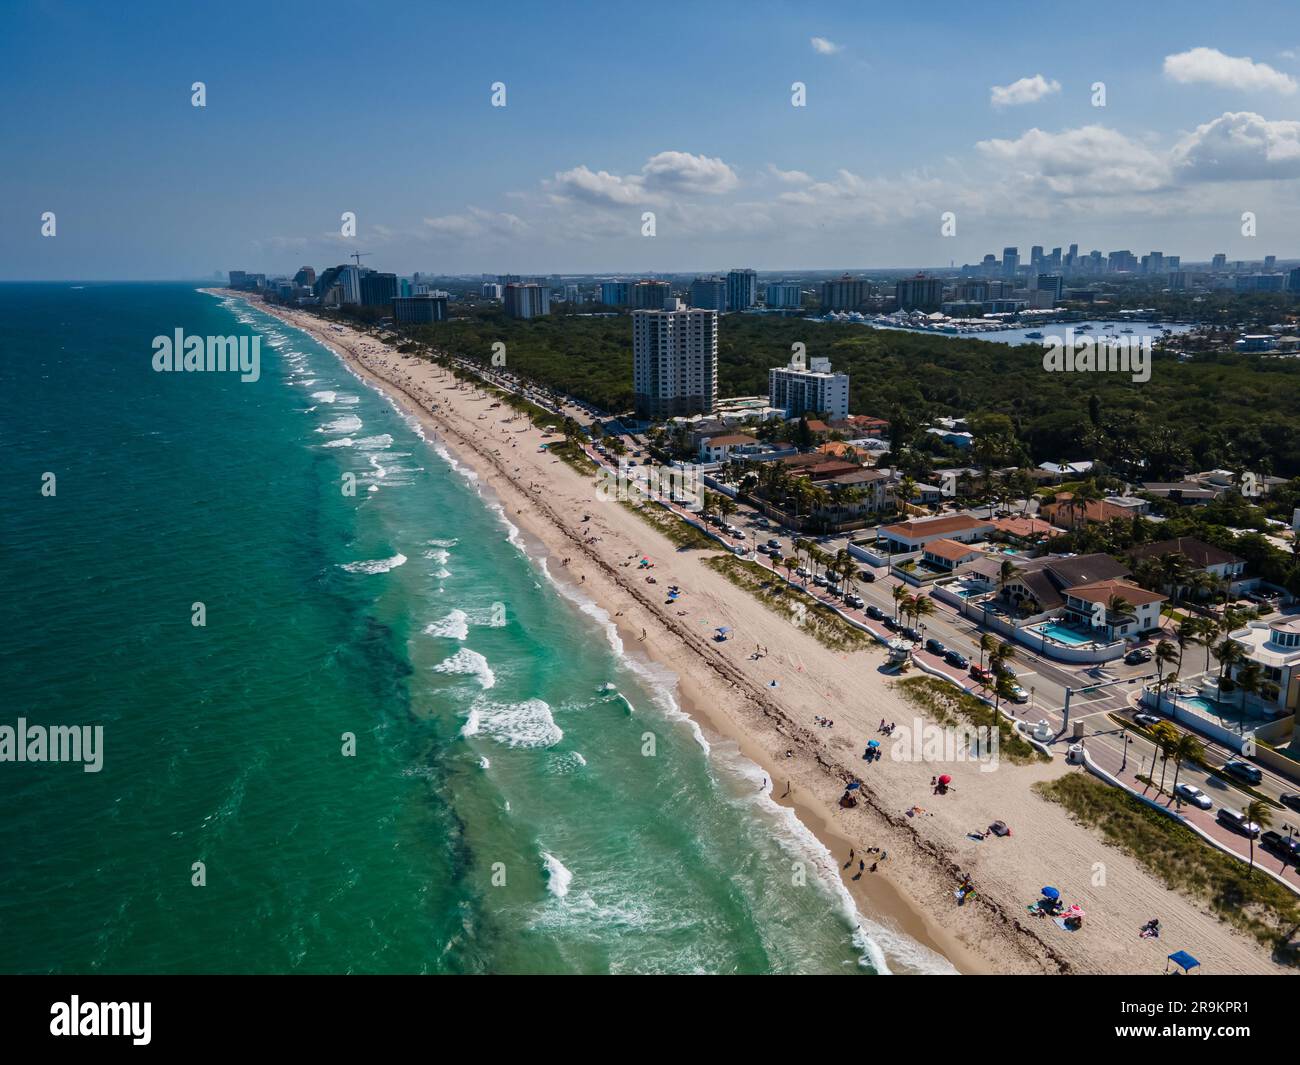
[[674, 361]]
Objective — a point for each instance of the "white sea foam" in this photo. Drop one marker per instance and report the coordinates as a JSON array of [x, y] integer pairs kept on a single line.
[[469, 663], [558, 878], [528, 724], [454, 626], [483, 762], [375, 443], [375, 565], [324, 397], [346, 423], [342, 442]]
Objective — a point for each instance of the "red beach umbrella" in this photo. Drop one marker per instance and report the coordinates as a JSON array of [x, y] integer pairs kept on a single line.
[[945, 779]]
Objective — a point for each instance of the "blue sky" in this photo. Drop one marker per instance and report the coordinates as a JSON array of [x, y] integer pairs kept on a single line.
[[682, 110]]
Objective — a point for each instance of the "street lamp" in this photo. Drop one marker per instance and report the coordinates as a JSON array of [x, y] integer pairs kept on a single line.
[[1128, 742]]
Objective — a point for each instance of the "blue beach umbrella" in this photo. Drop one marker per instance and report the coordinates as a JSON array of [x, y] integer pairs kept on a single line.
[[1183, 959], [1051, 893], [873, 743], [853, 786]]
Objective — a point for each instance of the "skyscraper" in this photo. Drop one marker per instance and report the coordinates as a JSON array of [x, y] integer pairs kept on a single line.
[[674, 361], [919, 293], [742, 289], [784, 294], [650, 295], [527, 300], [845, 293], [709, 294], [1010, 261], [815, 390], [378, 290]]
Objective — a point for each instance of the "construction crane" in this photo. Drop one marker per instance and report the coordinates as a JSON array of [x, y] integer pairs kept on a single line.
[[357, 255]]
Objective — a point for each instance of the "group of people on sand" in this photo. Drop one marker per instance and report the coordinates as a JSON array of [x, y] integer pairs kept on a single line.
[[824, 722], [881, 855], [886, 729]]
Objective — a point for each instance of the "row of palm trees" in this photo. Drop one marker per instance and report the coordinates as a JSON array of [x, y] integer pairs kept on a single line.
[[1183, 747]]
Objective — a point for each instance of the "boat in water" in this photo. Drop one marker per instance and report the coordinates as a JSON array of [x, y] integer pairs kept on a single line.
[[1034, 336]]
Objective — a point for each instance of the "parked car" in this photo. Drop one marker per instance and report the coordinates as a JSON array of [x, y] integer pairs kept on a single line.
[[854, 601], [820, 580], [1018, 694], [892, 624], [1282, 846], [802, 572], [935, 647], [1191, 793], [1236, 820], [1146, 720], [1137, 656], [956, 658], [1243, 771], [1005, 670], [868, 576], [875, 613], [763, 549], [774, 544], [981, 674], [739, 534], [1290, 799], [912, 634]]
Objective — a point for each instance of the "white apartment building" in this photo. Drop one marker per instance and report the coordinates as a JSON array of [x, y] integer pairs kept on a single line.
[[674, 361], [816, 389]]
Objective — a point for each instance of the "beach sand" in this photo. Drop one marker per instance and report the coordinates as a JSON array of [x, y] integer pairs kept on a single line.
[[729, 693]]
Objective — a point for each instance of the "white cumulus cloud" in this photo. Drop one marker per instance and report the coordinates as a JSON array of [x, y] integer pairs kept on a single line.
[[663, 176], [824, 47], [1240, 146], [1209, 66], [1087, 161], [1024, 91]]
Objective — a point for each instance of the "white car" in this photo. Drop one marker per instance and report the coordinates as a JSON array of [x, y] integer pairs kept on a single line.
[[1194, 795], [802, 572], [1018, 694]]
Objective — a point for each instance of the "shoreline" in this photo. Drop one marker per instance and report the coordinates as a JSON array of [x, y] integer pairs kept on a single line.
[[877, 898], [730, 698]]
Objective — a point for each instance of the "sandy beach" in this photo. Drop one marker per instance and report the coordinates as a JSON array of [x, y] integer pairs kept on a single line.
[[730, 693]]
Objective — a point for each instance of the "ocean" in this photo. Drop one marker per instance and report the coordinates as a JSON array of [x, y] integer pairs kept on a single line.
[[395, 744]]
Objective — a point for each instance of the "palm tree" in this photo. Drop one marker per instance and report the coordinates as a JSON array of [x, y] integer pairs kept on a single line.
[[1119, 611], [922, 607], [899, 593], [1262, 814], [1166, 737], [988, 643], [1188, 749], [1250, 678], [1165, 654], [726, 506], [1189, 632], [1229, 653], [1003, 688], [906, 489]]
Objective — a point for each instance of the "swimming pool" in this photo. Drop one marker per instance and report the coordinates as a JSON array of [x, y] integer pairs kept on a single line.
[[1054, 630]]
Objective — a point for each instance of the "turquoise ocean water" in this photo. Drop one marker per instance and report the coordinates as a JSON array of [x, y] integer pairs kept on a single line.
[[500, 813]]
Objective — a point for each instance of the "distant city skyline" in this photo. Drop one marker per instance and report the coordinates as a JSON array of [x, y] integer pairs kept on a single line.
[[789, 139]]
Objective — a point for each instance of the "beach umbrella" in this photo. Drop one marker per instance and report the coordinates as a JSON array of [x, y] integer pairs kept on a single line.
[[1075, 911], [873, 743], [1051, 893], [854, 785], [723, 630], [1183, 959], [945, 779]]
